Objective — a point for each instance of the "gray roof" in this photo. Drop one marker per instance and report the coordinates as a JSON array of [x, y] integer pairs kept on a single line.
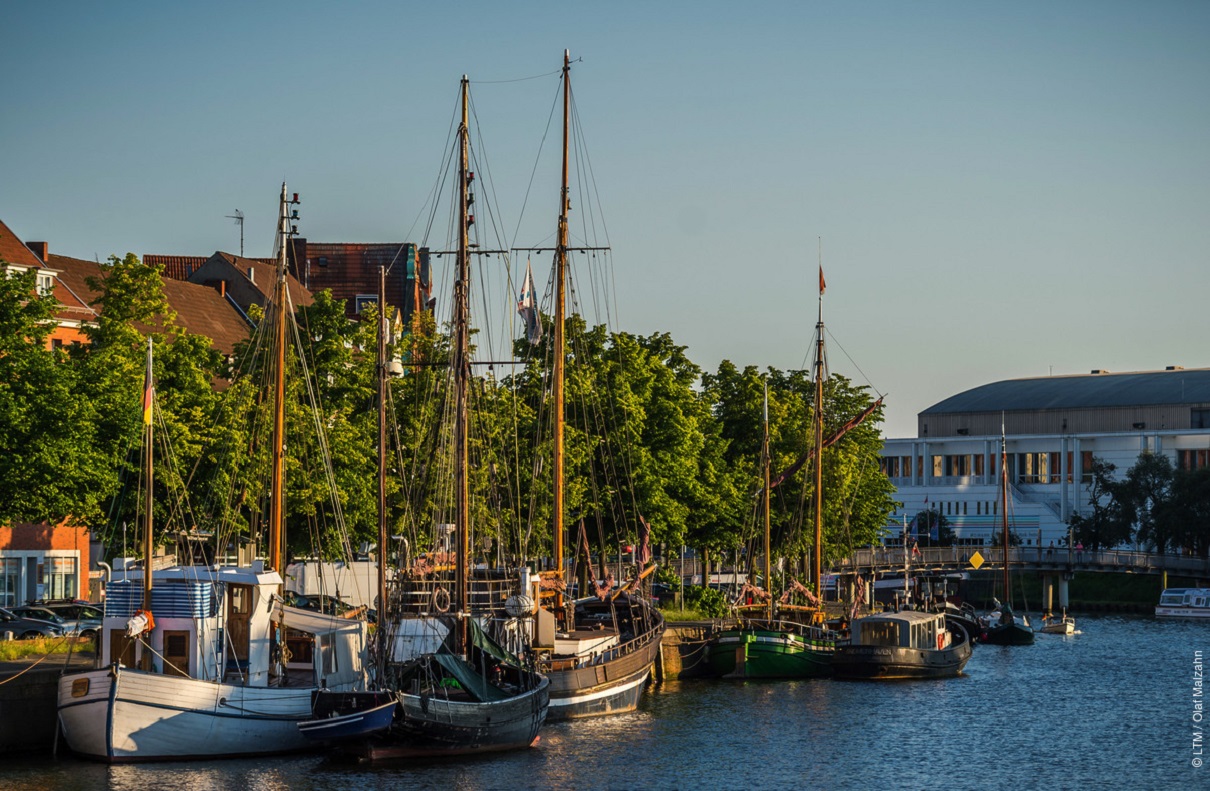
[[1087, 391]]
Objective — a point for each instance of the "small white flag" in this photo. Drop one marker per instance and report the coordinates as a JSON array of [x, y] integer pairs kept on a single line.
[[527, 306]]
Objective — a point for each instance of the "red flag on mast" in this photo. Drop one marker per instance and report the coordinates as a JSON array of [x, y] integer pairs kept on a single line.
[[822, 284]]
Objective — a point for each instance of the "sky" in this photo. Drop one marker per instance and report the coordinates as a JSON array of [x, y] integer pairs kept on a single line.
[[995, 190]]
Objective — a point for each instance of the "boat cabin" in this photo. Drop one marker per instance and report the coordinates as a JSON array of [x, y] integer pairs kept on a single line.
[[217, 624], [1185, 602], [905, 629]]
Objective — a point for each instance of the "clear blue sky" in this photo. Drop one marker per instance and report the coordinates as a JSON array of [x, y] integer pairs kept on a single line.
[[1002, 189]]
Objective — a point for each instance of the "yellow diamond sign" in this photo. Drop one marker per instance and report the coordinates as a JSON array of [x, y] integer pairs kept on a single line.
[[976, 559]]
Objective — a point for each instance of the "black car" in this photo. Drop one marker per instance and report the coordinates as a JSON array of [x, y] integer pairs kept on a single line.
[[27, 628]]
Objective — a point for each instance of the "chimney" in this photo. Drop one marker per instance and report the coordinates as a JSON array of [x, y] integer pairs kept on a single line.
[[40, 249], [222, 288], [252, 274]]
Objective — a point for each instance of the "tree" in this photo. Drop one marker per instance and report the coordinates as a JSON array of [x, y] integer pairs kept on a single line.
[[109, 373], [1186, 516], [1106, 524], [49, 466], [934, 529], [1144, 497], [857, 497]]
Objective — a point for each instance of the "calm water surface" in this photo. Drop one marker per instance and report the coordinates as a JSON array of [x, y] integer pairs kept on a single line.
[[1111, 707]]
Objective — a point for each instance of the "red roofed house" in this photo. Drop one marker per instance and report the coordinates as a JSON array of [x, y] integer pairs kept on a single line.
[[73, 311]]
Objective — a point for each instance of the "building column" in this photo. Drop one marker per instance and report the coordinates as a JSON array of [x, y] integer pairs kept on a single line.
[[1048, 592], [1063, 473]]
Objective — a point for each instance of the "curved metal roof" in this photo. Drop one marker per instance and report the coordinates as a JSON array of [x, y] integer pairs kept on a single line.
[[1087, 391]]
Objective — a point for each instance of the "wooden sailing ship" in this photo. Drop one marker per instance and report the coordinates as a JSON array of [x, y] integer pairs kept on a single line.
[[192, 660], [602, 652], [468, 695], [776, 640], [1003, 627]]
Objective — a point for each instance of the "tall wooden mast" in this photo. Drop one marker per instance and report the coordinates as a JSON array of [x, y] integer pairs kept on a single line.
[[1004, 508], [382, 454], [148, 477], [277, 490], [462, 368], [768, 496], [560, 316], [820, 362]]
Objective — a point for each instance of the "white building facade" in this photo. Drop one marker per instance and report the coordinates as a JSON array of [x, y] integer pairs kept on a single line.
[[1054, 427]]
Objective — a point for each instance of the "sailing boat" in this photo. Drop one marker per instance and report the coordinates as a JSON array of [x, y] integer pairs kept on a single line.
[[469, 695], [193, 660], [1002, 626], [598, 654], [796, 644]]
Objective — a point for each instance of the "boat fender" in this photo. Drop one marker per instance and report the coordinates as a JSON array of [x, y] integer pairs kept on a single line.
[[940, 640]]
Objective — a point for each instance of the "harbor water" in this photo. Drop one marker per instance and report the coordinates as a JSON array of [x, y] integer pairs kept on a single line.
[[1116, 706]]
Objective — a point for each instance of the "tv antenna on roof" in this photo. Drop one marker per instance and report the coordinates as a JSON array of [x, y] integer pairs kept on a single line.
[[239, 219]]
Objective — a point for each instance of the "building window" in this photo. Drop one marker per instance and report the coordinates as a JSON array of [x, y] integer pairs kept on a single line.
[[1193, 459], [10, 582], [362, 300], [1199, 418], [60, 578], [46, 285], [1086, 466]]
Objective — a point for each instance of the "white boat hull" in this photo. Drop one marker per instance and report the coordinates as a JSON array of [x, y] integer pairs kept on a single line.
[[120, 715], [1182, 612]]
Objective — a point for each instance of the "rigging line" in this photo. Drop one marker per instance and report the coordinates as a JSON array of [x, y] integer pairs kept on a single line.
[[855, 365], [522, 79], [538, 157]]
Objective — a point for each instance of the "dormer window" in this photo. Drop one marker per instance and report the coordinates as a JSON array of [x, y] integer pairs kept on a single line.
[[46, 284]]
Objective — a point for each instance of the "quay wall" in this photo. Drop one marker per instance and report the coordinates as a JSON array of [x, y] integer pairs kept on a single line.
[[29, 705]]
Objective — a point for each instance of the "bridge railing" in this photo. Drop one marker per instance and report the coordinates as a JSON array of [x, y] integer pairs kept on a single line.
[[958, 557]]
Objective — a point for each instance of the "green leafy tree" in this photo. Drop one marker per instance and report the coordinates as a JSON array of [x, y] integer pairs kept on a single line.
[[1186, 515], [50, 468], [932, 521], [1143, 496], [110, 373], [857, 495], [1105, 524]]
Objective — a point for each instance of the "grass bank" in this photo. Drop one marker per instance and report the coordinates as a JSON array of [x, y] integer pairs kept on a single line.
[[21, 649]]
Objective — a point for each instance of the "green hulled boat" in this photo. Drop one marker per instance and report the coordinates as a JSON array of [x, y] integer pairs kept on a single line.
[[773, 649], [787, 641]]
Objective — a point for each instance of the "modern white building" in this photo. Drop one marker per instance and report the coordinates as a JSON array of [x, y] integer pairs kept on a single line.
[[1054, 427]]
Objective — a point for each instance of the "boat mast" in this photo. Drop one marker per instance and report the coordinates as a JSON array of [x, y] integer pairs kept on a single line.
[[560, 315], [277, 489], [382, 455], [1004, 506], [148, 477], [462, 369], [768, 495], [817, 555]]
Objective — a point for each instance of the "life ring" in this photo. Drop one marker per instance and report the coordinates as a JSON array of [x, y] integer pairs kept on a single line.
[[940, 640], [441, 600]]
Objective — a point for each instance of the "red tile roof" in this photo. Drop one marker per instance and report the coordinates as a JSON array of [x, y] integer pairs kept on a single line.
[[200, 309], [177, 267], [14, 251]]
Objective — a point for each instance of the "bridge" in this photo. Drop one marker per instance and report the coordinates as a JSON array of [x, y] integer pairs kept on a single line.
[[1043, 560], [1056, 566]]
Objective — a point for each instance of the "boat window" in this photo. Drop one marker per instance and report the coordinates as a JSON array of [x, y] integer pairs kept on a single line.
[[884, 633]]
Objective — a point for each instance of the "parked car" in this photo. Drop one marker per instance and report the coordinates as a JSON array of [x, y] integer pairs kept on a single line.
[[86, 628], [27, 628], [74, 610]]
